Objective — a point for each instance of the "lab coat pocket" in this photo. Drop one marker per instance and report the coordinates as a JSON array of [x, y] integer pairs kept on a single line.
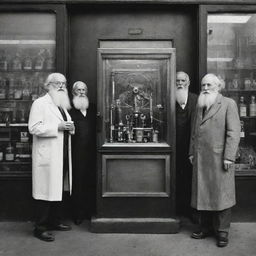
[[43, 153]]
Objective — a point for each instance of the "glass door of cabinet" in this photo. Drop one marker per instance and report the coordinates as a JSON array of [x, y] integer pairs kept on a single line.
[[27, 56], [231, 55]]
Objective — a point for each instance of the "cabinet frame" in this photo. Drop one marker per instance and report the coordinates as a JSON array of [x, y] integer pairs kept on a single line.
[[60, 64]]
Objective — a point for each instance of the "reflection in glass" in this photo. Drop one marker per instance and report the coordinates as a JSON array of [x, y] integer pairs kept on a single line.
[[231, 54]]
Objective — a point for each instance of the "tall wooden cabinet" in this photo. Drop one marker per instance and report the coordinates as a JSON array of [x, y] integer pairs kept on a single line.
[[136, 140]]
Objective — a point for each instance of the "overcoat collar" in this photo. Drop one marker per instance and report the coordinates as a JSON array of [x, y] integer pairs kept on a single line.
[[213, 109], [53, 107]]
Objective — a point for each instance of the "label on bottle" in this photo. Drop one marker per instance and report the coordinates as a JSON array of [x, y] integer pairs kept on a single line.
[[9, 156], [242, 110]]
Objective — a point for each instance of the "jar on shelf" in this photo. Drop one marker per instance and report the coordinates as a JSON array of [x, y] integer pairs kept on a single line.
[[27, 63], [247, 84], [16, 63]]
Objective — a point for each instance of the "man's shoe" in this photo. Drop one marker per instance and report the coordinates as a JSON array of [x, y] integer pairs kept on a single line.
[[201, 234], [44, 236], [61, 227], [78, 221], [222, 238]]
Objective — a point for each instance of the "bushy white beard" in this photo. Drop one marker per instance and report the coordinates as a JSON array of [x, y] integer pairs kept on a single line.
[[81, 103], [207, 99], [60, 98], [181, 95]]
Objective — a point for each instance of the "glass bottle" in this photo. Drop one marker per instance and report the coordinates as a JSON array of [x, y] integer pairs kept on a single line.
[[1, 154], [242, 133], [27, 63], [3, 61], [252, 106], [11, 88], [242, 107], [49, 61], [16, 62], [39, 60], [2, 88]]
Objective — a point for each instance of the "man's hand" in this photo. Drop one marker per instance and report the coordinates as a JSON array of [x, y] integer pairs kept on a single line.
[[66, 126], [191, 158], [227, 164]]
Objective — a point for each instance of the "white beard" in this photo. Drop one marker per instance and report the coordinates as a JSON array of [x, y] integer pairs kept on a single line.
[[181, 95], [60, 99], [207, 99], [81, 103]]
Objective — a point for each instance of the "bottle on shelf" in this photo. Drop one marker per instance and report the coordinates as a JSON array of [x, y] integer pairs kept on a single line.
[[1, 154], [17, 89], [242, 107], [3, 61], [9, 153], [11, 87], [2, 88], [49, 61], [252, 106], [27, 63], [242, 133], [16, 63], [39, 60]]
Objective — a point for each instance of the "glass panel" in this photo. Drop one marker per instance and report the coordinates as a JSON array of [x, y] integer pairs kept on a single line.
[[27, 56], [231, 54], [135, 94]]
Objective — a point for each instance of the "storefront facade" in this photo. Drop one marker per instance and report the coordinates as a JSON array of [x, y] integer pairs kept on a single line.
[[92, 40]]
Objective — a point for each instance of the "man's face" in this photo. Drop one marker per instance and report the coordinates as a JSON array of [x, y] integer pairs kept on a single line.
[[208, 86], [181, 81], [58, 84], [80, 90]]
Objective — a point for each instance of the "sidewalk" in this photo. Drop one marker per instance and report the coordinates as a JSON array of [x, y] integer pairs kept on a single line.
[[16, 239]]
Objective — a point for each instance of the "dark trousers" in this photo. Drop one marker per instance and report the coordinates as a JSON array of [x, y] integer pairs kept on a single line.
[[215, 220], [47, 214]]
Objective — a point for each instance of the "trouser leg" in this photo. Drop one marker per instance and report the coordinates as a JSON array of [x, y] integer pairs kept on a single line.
[[205, 220], [55, 213], [42, 212], [222, 220]]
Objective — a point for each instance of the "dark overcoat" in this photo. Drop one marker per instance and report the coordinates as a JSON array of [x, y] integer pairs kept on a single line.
[[215, 137]]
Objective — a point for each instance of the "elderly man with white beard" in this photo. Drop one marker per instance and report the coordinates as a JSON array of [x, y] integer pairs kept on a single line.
[[214, 143], [83, 153], [185, 109], [50, 124]]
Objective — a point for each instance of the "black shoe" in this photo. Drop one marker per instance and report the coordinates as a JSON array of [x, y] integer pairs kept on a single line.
[[201, 234], [222, 238], [78, 221], [60, 227], [44, 236]]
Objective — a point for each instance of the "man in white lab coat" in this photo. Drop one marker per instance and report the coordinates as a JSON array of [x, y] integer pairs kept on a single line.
[[50, 124]]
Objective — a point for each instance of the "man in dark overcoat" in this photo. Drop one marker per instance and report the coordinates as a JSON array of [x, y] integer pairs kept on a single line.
[[214, 143], [83, 153], [185, 109]]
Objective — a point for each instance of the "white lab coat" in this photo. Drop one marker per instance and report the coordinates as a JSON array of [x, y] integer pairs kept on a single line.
[[47, 150]]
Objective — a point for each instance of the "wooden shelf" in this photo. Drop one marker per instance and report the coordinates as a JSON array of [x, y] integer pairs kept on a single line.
[[14, 125]]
